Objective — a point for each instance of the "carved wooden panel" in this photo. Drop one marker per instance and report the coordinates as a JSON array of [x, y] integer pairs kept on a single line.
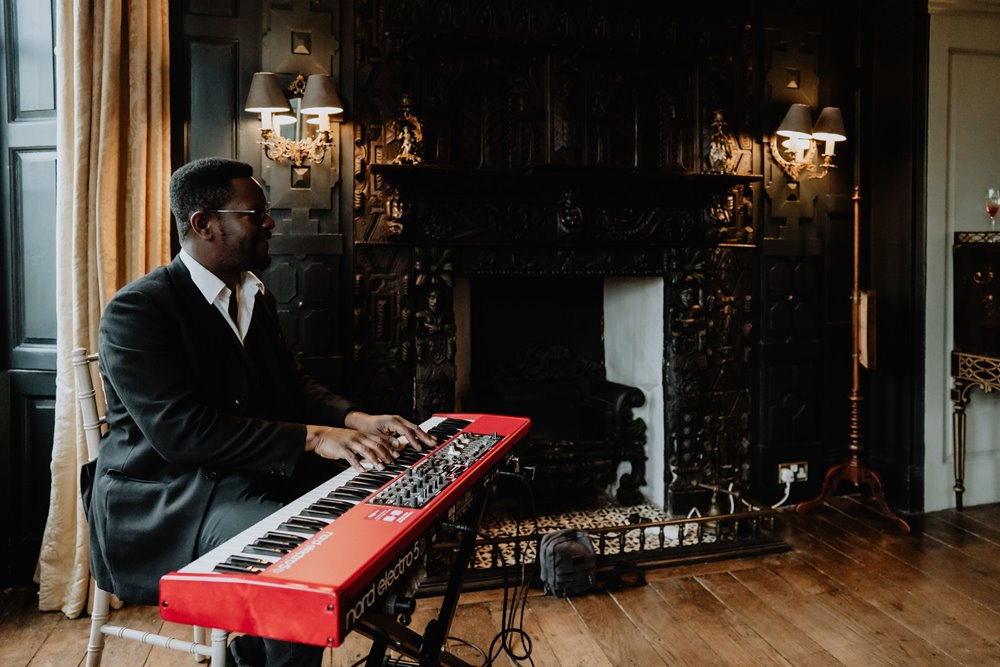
[[214, 97], [628, 86], [796, 393], [383, 349], [31, 236], [305, 276], [215, 49], [31, 70], [25, 455], [708, 372]]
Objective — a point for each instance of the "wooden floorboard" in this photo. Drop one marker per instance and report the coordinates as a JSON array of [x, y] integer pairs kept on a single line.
[[853, 590]]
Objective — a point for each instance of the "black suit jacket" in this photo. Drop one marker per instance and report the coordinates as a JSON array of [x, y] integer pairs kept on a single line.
[[188, 404]]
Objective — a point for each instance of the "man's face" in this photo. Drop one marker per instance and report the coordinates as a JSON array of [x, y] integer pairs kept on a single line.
[[243, 237]]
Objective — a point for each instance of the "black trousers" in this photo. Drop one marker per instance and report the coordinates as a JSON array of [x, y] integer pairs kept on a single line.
[[235, 506]]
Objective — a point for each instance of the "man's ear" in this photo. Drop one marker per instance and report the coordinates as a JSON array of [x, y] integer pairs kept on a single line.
[[201, 225]]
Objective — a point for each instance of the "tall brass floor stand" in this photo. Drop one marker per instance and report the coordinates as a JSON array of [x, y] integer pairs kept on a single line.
[[854, 470]]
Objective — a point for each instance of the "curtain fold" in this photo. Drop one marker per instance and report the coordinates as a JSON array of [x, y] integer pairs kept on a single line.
[[113, 170]]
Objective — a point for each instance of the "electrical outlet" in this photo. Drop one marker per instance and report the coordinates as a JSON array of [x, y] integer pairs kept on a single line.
[[797, 472]]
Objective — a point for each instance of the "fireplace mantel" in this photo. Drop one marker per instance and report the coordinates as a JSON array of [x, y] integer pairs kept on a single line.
[[556, 206], [694, 231], [667, 181]]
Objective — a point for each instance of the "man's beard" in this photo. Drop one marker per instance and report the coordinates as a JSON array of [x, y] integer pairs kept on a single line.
[[260, 262]]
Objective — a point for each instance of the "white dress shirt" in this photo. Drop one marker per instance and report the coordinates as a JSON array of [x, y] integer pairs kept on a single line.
[[217, 294]]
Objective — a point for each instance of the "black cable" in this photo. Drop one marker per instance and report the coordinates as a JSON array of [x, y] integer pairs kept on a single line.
[[513, 604]]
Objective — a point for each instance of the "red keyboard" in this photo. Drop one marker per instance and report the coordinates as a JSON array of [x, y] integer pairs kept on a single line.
[[311, 571]]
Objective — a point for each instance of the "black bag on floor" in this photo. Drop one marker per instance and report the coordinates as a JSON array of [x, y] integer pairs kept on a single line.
[[567, 562]]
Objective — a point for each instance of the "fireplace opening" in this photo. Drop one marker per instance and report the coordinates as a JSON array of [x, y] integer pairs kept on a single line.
[[535, 344], [535, 348]]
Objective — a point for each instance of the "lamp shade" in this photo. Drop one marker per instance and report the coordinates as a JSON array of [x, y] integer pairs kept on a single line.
[[265, 94], [796, 123], [830, 125], [321, 96]]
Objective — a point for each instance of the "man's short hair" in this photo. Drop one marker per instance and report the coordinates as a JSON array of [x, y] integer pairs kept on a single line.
[[202, 185]]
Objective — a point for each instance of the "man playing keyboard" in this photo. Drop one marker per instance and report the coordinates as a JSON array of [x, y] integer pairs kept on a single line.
[[212, 422]]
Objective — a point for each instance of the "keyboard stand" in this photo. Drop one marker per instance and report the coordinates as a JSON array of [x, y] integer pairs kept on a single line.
[[387, 632]]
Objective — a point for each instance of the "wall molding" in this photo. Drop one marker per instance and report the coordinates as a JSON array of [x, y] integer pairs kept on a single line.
[[964, 7]]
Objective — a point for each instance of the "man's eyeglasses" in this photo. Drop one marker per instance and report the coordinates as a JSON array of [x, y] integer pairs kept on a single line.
[[258, 214]]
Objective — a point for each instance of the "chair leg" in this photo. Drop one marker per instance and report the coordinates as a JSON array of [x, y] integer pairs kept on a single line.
[[219, 638], [102, 607], [199, 638]]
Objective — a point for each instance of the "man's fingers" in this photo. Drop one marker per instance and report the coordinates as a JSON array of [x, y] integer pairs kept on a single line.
[[414, 435], [378, 451], [354, 460]]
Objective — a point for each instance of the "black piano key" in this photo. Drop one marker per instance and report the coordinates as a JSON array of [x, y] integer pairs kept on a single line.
[[375, 474], [333, 504], [263, 550], [237, 569], [282, 546], [303, 524], [364, 484], [331, 507], [318, 512], [348, 494], [379, 478], [298, 527], [286, 537], [242, 564], [448, 428], [237, 559]]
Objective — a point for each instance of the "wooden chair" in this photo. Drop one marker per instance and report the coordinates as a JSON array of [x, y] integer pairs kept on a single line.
[[94, 425]]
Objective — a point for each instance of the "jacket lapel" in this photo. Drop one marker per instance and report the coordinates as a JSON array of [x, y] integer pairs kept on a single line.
[[204, 314]]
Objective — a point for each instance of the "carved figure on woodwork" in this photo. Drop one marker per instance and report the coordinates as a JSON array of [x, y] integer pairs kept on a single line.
[[720, 211], [360, 167], [409, 132], [689, 327], [433, 267], [431, 319], [720, 147], [435, 340], [569, 215], [395, 209]]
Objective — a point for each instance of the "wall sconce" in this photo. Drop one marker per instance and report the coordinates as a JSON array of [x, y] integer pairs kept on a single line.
[[797, 152], [318, 98]]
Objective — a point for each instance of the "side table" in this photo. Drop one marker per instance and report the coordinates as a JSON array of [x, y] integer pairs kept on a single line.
[[968, 371]]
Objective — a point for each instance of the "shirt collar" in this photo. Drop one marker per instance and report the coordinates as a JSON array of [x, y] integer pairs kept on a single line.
[[209, 284]]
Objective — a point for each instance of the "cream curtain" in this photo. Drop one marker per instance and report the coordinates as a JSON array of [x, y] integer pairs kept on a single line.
[[112, 73]]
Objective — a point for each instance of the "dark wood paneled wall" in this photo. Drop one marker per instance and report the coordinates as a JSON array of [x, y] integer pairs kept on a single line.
[[28, 294], [217, 45], [868, 58], [893, 173]]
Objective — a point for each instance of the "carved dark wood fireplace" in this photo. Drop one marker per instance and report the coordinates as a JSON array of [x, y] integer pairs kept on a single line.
[[525, 149]]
